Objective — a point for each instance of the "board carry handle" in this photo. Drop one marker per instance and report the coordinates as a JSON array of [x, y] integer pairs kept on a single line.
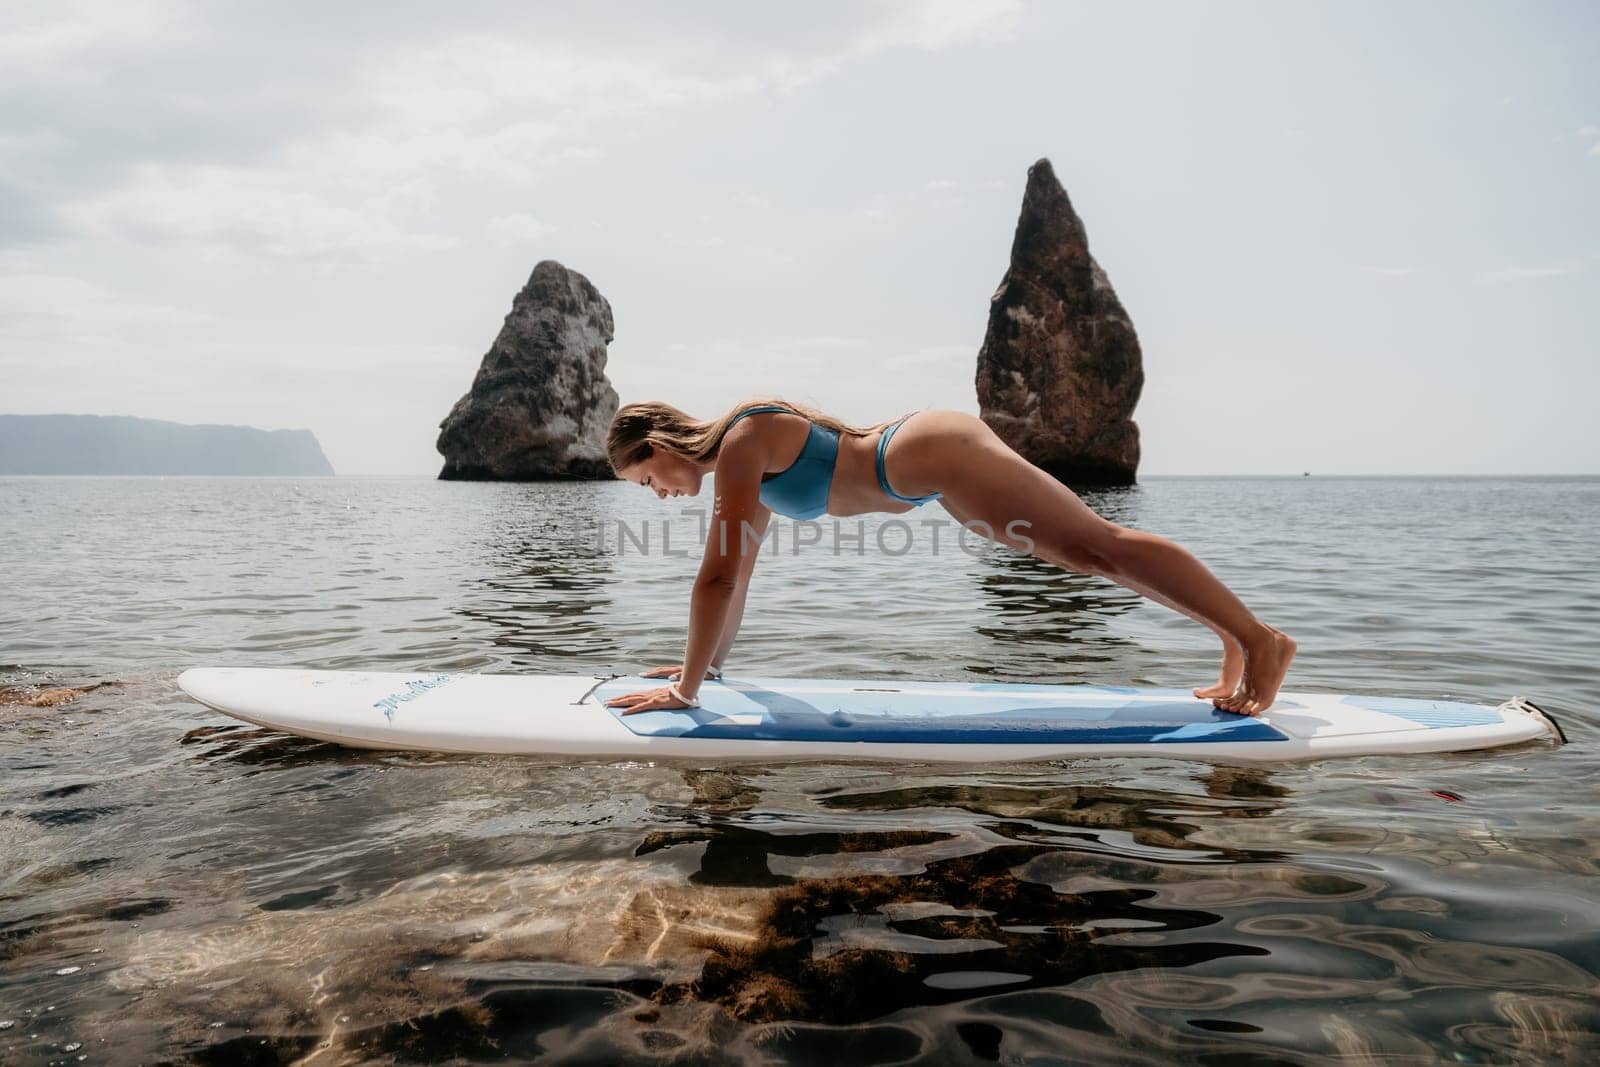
[[599, 680]]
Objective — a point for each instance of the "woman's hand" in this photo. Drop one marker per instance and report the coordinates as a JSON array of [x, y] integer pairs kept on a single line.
[[673, 672], [651, 700]]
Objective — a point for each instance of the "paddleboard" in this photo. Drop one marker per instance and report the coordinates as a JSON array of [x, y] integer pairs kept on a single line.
[[793, 718]]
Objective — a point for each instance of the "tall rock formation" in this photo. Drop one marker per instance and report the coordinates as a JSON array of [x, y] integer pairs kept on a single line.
[[1060, 371], [540, 405]]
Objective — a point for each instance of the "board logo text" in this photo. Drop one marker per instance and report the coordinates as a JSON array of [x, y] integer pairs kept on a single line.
[[412, 691]]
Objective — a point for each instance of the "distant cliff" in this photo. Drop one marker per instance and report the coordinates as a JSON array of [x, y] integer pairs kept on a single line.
[[121, 444]]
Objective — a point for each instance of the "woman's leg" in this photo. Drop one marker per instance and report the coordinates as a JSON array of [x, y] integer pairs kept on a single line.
[[1232, 670], [984, 481]]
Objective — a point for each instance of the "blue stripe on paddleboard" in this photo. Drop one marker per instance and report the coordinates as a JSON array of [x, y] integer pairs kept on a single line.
[[940, 717], [1434, 714]]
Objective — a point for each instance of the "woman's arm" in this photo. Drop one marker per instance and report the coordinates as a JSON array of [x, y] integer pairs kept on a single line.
[[730, 627], [738, 506], [747, 565]]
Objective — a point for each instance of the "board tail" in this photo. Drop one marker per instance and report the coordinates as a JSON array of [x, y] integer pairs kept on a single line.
[[1528, 707]]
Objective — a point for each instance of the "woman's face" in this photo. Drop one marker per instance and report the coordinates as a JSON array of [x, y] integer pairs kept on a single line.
[[665, 474]]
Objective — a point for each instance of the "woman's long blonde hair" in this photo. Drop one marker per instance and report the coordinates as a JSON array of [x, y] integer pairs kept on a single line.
[[639, 428]]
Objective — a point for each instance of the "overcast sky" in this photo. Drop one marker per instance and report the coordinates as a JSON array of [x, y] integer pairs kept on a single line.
[[1354, 238]]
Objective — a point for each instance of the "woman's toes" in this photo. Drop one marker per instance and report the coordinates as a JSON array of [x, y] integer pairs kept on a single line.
[[1237, 701]]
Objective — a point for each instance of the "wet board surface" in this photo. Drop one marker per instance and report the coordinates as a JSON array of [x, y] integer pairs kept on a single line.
[[795, 718]]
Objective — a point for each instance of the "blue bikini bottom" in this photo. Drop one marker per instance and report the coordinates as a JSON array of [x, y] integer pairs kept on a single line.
[[883, 480]]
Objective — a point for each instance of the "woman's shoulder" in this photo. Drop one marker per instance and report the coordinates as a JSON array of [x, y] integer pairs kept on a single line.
[[750, 411], [752, 432]]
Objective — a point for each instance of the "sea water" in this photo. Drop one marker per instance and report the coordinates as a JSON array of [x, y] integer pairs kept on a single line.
[[177, 885]]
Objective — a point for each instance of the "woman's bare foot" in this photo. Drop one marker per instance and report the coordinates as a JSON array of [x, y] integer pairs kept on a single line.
[[1232, 671], [1266, 661]]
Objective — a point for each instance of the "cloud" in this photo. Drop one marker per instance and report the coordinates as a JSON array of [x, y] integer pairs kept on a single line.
[[299, 213], [935, 25], [42, 34], [700, 241], [896, 206], [773, 358], [1518, 274], [158, 123], [518, 228], [25, 217], [931, 357], [1388, 272], [48, 308]]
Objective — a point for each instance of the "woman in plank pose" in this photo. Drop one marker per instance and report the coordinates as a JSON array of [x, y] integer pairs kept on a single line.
[[772, 455]]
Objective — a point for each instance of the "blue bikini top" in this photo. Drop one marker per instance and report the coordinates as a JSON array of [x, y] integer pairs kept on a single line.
[[800, 490]]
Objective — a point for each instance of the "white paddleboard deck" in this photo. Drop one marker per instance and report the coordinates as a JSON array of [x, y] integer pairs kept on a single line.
[[794, 718]]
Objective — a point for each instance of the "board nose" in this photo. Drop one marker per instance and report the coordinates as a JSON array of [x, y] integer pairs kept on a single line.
[[202, 683]]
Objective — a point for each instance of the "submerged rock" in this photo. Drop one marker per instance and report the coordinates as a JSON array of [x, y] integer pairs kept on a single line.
[[1060, 369], [540, 404], [32, 696]]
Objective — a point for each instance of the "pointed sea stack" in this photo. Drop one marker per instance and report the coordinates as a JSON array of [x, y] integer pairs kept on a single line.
[[1060, 370], [541, 404]]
